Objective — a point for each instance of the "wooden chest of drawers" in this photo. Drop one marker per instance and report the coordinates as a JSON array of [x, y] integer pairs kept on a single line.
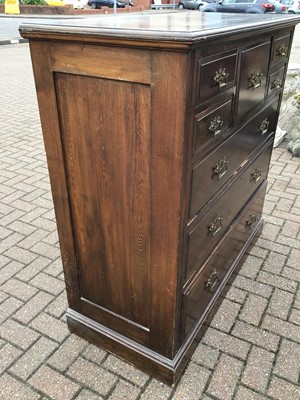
[[158, 132]]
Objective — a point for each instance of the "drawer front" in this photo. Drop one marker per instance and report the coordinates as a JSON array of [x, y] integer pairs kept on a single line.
[[213, 172], [254, 69], [212, 125], [215, 75], [281, 48], [205, 287], [206, 232], [276, 82]]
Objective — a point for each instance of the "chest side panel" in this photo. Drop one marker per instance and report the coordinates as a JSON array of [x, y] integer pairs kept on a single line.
[[113, 124], [106, 154]]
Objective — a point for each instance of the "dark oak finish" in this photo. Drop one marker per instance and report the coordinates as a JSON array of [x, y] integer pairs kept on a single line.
[[276, 81], [158, 139], [202, 239], [214, 171], [212, 124], [98, 185], [216, 74], [280, 48], [254, 70], [210, 279]]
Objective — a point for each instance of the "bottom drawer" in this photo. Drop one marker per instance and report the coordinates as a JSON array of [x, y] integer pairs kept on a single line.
[[205, 288]]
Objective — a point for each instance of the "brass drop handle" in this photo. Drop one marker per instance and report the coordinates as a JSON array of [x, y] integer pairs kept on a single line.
[[212, 281], [264, 126], [221, 168], [215, 226], [215, 126], [255, 80], [256, 175], [282, 51], [251, 221], [276, 84], [221, 77]]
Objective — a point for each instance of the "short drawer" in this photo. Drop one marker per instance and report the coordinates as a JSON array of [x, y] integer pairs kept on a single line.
[[215, 75], [211, 125], [276, 81], [205, 288], [281, 48], [205, 232], [212, 173], [254, 69]]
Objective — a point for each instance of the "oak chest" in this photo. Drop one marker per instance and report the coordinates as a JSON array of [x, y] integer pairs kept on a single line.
[[158, 131]]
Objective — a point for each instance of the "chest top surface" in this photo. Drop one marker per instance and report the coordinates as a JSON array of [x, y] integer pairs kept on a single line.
[[173, 27]]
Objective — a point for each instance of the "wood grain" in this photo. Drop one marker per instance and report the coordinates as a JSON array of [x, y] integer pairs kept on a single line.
[[105, 135], [101, 61]]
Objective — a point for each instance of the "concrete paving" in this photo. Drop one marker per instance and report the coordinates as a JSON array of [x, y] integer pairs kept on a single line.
[[251, 350]]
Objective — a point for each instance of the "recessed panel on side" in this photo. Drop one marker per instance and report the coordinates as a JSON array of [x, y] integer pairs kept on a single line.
[[105, 132]]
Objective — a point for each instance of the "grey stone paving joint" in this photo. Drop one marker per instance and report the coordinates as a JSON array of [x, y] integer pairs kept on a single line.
[[12, 41], [251, 351]]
